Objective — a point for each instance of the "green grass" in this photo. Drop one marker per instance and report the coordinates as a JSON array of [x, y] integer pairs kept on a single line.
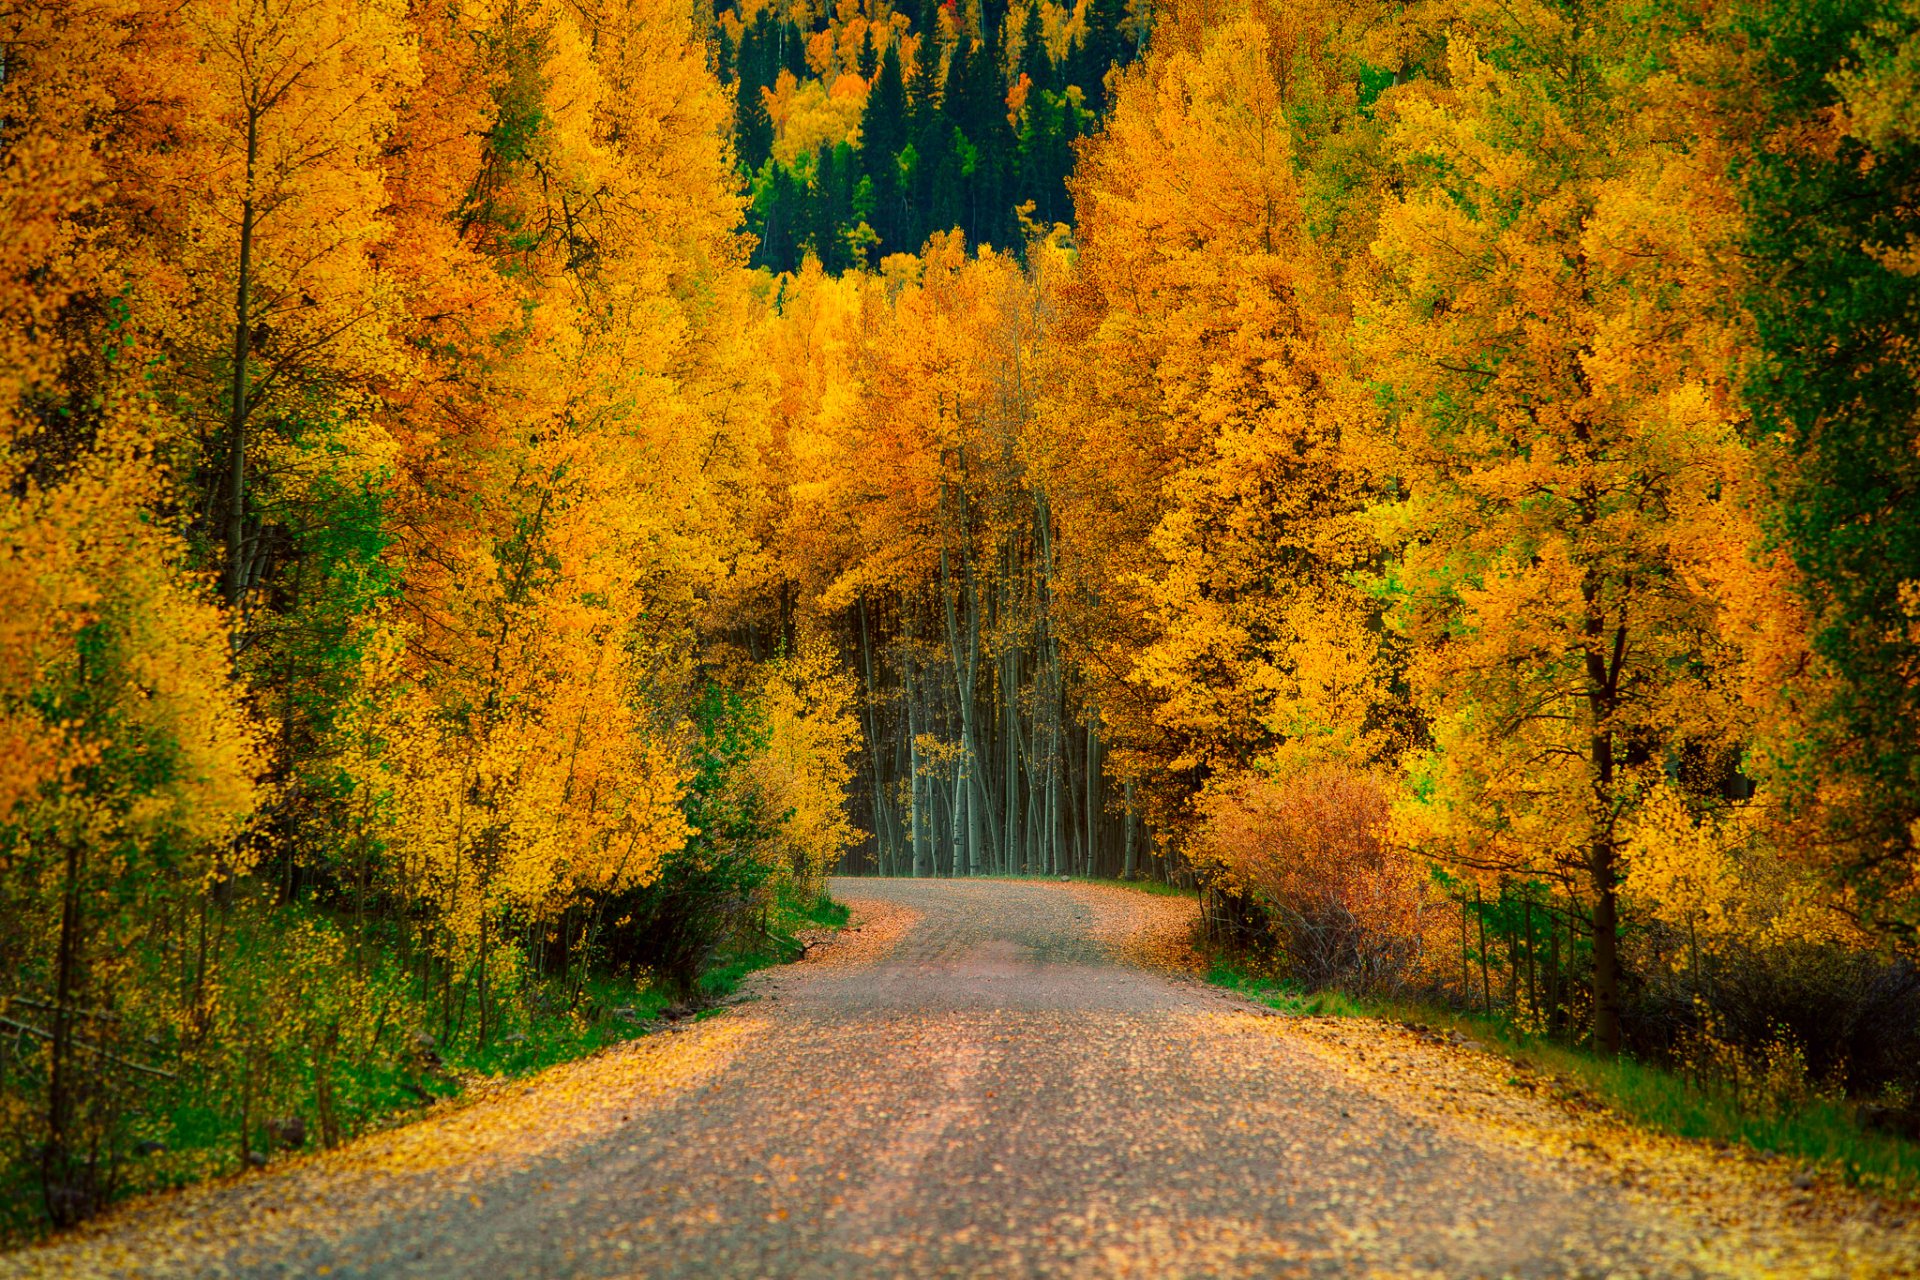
[[825, 913], [1822, 1133], [779, 945], [1284, 996], [1158, 887], [613, 1010]]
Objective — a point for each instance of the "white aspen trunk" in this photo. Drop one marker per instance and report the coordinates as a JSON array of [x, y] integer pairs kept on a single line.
[[973, 819], [885, 830], [956, 830], [1034, 849], [902, 857], [1010, 751], [966, 660], [915, 821], [1093, 799], [1070, 795], [1048, 689], [1057, 802]]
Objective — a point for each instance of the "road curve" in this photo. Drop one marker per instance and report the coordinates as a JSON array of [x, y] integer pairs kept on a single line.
[[999, 1078]]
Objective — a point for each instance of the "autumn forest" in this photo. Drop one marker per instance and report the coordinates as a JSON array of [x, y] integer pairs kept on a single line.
[[504, 497]]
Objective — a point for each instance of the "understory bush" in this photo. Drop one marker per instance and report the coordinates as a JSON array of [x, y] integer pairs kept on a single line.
[[217, 1023], [1302, 882], [1300, 864]]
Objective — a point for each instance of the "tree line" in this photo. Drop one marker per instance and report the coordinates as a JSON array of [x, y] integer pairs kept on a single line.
[[1448, 493], [382, 444]]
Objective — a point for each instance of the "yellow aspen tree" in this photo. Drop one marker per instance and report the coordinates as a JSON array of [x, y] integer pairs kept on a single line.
[[916, 524], [283, 195], [805, 766], [130, 761], [1551, 334], [146, 773], [560, 521], [1203, 420]]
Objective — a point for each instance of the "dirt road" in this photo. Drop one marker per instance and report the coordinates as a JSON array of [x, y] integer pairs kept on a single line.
[[1007, 1079]]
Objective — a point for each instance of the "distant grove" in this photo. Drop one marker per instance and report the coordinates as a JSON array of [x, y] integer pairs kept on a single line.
[[502, 494]]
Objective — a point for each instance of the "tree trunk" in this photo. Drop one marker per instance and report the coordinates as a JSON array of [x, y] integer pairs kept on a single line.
[[1093, 797], [66, 1182], [1603, 687], [1606, 951], [238, 392], [885, 832], [1010, 759]]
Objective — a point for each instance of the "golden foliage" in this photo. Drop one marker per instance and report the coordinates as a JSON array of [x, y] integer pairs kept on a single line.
[[805, 768], [1202, 419], [425, 330]]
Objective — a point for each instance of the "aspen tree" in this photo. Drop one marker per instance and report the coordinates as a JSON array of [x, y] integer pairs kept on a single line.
[[1551, 335], [1202, 381]]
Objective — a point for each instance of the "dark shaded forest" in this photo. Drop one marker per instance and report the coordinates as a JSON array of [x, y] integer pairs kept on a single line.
[[870, 129]]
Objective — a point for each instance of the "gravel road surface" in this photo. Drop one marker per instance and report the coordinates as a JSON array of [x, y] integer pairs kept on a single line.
[[1005, 1078]]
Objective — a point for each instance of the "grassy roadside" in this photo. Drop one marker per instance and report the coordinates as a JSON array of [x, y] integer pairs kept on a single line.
[[185, 1142], [1823, 1133], [612, 1011], [781, 945], [616, 1010]]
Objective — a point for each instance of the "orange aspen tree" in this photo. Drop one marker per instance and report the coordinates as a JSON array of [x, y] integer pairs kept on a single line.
[[558, 520], [282, 193], [917, 530]]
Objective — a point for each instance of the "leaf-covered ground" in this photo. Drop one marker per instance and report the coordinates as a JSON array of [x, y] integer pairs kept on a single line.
[[1010, 1078]]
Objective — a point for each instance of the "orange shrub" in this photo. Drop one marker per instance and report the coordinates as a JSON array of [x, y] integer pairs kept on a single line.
[[1309, 851]]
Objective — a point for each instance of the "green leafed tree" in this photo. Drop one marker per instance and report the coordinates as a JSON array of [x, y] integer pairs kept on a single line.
[[1833, 192]]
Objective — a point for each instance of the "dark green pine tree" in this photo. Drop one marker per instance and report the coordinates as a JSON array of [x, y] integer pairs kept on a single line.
[[779, 218], [883, 136], [1046, 156], [755, 68], [926, 24], [723, 55], [869, 57], [791, 50], [934, 197], [835, 176], [988, 208], [753, 130], [994, 14], [1104, 45], [757, 57], [968, 82], [1036, 63]]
